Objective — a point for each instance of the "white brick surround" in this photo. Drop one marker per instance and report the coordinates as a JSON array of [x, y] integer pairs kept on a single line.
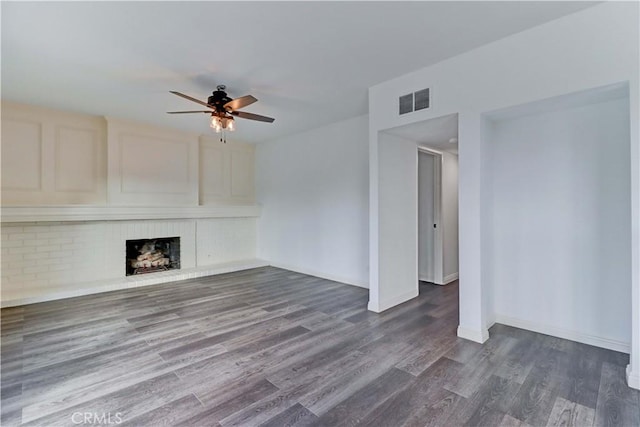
[[43, 261]]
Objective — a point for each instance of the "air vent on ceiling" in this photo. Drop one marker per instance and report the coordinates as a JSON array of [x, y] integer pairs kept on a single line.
[[415, 101], [406, 103], [421, 99]]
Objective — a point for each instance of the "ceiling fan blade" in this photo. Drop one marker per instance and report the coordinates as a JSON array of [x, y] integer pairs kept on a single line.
[[192, 99], [188, 112], [243, 101], [251, 116]]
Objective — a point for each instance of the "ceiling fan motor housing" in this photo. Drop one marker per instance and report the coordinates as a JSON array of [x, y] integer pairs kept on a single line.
[[218, 99]]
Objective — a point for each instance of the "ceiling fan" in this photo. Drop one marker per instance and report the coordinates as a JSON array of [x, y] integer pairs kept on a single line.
[[223, 109]]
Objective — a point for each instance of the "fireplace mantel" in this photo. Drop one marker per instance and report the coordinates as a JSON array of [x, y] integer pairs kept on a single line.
[[15, 214]]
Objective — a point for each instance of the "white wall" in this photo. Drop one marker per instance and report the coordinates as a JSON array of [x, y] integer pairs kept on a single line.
[[227, 172], [398, 237], [313, 188], [52, 157], [450, 216], [595, 47], [559, 255], [150, 165]]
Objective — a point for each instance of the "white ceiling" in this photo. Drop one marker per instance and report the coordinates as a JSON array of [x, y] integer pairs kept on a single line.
[[562, 102], [309, 63], [433, 133]]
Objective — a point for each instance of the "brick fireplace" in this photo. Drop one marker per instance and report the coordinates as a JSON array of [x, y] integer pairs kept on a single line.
[[60, 252]]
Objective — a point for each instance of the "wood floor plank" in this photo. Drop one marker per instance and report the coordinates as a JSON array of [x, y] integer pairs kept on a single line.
[[509, 421], [584, 373], [49, 400], [169, 414], [129, 402], [221, 403], [411, 401], [273, 347], [290, 375], [618, 405], [567, 413], [519, 361], [481, 367], [296, 415], [355, 408], [488, 405], [332, 391], [432, 351], [538, 393], [463, 351], [264, 409], [435, 413], [11, 411]]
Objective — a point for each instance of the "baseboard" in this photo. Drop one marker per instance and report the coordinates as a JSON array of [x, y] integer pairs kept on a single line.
[[426, 279], [323, 275], [445, 281], [473, 335], [567, 334], [129, 282], [392, 302], [450, 278], [633, 378]]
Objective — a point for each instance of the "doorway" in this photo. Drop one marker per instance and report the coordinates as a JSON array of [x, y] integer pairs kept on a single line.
[[430, 246], [394, 272]]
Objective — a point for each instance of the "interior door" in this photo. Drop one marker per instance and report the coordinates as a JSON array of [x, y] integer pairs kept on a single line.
[[426, 217]]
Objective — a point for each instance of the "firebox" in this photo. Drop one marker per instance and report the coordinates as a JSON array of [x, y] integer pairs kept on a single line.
[[152, 255]]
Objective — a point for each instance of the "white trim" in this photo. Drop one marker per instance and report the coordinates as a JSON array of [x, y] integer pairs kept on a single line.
[[567, 334], [328, 276], [135, 282], [473, 335], [116, 213], [447, 279], [633, 378], [450, 278], [385, 305]]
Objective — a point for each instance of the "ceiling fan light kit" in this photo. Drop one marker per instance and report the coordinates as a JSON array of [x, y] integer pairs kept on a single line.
[[222, 123], [223, 109]]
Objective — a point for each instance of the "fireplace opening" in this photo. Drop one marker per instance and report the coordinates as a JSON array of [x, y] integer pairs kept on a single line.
[[152, 255]]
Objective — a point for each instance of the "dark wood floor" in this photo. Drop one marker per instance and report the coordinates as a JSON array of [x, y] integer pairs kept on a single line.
[[276, 348]]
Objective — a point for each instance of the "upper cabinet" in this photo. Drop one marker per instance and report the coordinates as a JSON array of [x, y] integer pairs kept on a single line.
[[57, 158]]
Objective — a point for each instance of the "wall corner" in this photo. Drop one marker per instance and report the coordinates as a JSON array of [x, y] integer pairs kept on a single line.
[[480, 336]]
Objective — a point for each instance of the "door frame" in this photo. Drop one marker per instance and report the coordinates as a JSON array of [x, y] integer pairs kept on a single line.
[[438, 237]]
